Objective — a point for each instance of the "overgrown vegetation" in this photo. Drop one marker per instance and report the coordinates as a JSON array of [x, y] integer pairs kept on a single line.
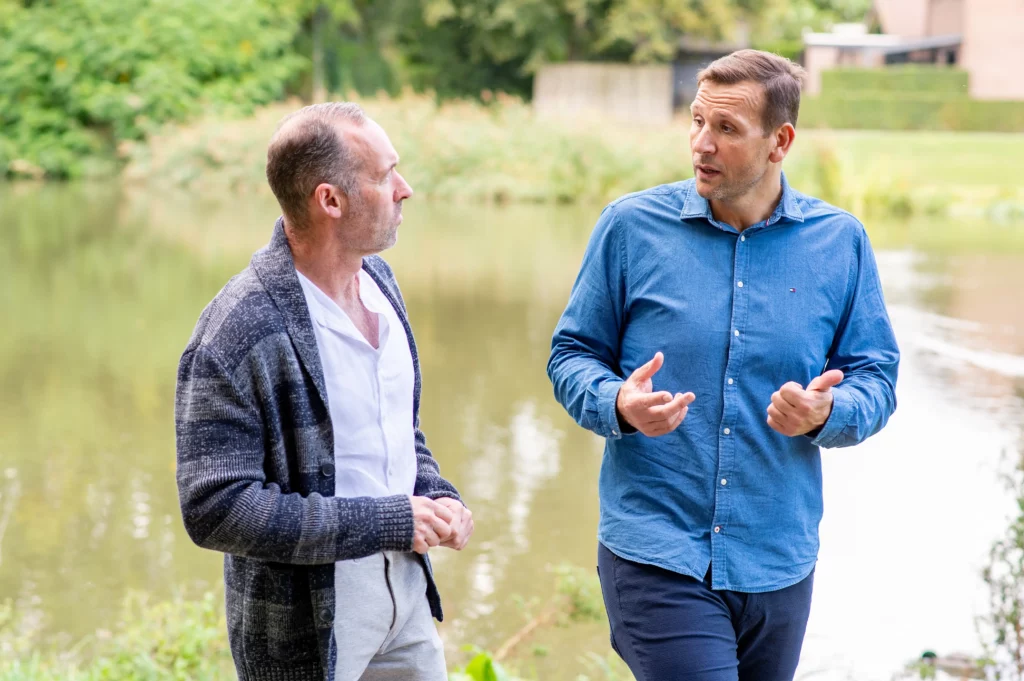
[[498, 151], [177, 640], [186, 640], [1004, 575]]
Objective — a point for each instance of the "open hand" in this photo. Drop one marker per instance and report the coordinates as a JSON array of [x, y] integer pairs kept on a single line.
[[651, 413]]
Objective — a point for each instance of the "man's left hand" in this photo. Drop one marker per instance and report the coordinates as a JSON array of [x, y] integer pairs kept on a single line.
[[796, 411], [461, 524]]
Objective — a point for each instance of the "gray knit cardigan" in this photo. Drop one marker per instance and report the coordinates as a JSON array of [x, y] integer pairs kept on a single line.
[[256, 470]]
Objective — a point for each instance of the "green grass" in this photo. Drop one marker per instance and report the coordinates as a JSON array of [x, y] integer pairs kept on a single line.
[[940, 160]]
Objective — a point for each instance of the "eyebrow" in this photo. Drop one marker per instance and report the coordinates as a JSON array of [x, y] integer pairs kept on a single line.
[[728, 118]]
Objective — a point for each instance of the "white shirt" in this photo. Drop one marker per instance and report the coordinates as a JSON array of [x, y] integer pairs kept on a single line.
[[369, 394]]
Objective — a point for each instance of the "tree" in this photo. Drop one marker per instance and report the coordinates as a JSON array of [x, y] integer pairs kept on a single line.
[[84, 75], [654, 27], [323, 19]]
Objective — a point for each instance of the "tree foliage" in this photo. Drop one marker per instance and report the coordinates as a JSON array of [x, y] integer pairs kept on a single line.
[[79, 76]]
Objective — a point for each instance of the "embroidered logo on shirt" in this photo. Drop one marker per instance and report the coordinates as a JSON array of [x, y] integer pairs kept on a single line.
[[792, 290]]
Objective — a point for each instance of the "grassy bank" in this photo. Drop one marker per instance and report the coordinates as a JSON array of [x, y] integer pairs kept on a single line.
[[499, 152], [186, 640], [170, 641]]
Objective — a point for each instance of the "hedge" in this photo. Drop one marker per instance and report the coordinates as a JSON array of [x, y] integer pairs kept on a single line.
[[896, 79], [910, 111]]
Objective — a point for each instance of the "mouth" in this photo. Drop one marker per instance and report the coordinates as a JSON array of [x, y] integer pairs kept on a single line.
[[706, 172]]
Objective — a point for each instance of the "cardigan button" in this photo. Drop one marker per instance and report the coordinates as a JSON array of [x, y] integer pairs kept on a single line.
[[326, 617], [327, 470]]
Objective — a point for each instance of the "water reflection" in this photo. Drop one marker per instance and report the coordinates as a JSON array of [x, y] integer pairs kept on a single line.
[[911, 514], [105, 289]]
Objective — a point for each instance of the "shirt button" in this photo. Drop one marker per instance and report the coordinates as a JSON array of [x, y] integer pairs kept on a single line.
[[740, 284], [724, 482], [327, 470], [726, 431], [730, 381], [736, 332], [717, 530], [743, 238]]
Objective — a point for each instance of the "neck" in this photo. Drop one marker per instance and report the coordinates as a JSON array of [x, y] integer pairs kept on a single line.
[[757, 205], [323, 259]]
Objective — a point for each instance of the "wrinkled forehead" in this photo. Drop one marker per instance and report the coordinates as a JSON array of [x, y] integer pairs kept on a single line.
[[744, 99]]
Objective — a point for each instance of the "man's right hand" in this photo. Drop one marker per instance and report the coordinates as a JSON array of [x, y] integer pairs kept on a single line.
[[651, 413], [430, 524]]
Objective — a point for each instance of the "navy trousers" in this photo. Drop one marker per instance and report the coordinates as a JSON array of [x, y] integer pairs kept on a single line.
[[669, 627]]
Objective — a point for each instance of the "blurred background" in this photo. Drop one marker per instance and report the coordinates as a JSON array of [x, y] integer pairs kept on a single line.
[[132, 145]]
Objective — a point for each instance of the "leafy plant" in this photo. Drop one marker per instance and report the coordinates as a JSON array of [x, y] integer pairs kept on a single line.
[[481, 668], [78, 77]]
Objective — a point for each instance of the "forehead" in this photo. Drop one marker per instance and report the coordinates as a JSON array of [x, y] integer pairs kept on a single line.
[[739, 99], [371, 142]]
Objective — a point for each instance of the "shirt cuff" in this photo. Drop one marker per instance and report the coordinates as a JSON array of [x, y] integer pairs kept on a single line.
[[607, 395], [842, 410]]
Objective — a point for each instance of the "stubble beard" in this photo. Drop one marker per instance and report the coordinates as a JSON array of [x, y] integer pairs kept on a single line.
[[731, 189], [380, 228]]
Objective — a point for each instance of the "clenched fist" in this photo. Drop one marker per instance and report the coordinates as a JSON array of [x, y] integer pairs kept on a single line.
[[461, 524], [430, 524], [795, 411]]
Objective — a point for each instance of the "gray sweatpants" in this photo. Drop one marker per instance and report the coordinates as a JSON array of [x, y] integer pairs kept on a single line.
[[384, 628]]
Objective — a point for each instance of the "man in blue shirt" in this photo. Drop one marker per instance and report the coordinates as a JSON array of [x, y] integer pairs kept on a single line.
[[720, 331]]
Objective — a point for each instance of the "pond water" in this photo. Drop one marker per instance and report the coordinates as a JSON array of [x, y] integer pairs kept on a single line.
[[100, 291]]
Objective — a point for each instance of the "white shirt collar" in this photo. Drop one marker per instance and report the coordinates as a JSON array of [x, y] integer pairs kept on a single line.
[[327, 313]]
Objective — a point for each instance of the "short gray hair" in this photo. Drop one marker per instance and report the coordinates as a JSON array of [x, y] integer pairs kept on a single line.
[[306, 151]]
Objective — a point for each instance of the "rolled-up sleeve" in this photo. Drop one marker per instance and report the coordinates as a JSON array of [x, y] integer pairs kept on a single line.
[[584, 362]]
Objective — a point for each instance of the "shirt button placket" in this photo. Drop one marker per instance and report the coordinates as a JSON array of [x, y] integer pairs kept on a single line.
[[726, 431]]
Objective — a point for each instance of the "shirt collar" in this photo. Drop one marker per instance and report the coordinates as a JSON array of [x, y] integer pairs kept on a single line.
[[326, 312], [319, 302], [696, 206]]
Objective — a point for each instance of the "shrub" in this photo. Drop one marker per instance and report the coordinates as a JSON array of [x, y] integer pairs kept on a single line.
[[896, 79], [77, 77]]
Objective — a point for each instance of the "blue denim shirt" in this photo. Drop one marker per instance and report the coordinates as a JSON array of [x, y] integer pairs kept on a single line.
[[736, 316]]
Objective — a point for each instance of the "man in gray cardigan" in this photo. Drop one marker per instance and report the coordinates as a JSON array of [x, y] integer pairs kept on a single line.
[[297, 416]]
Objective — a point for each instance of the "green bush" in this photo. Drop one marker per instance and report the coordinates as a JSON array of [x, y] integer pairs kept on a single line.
[[910, 111], [895, 79], [461, 150], [77, 77], [178, 640]]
